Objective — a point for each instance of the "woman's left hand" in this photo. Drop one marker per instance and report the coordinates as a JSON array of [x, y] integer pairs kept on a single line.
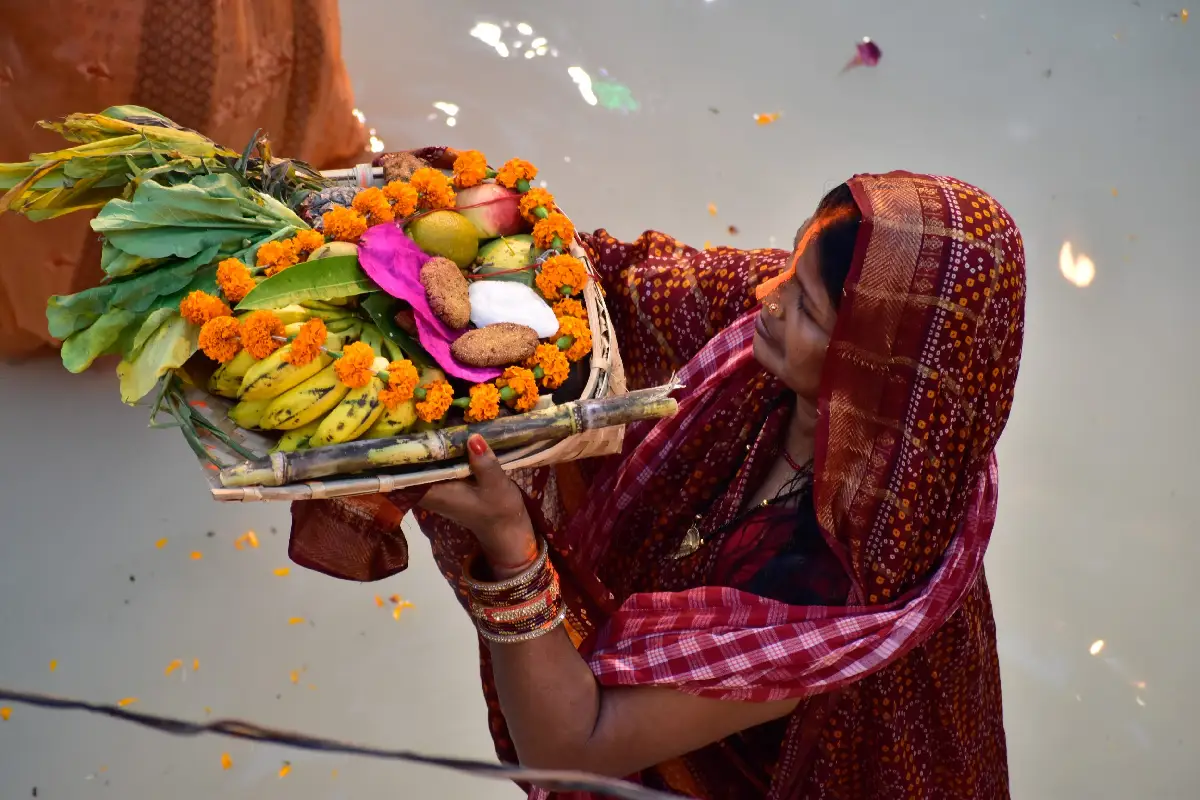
[[491, 506]]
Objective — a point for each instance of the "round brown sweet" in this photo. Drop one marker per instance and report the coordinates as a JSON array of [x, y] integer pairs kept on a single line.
[[448, 293], [498, 345], [399, 166]]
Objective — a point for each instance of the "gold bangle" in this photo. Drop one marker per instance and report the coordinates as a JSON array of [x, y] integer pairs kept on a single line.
[[516, 638], [530, 574]]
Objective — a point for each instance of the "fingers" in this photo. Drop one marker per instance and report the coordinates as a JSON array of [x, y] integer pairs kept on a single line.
[[452, 500], [484, 464]]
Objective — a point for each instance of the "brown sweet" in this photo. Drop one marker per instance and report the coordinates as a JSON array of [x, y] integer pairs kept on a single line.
[[400, 166], [448, 293], [496, 345]]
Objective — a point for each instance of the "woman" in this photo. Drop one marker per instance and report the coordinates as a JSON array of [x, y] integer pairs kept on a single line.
[[779, 592]]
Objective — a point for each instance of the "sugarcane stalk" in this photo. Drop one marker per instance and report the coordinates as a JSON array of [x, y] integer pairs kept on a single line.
[[549, 424]]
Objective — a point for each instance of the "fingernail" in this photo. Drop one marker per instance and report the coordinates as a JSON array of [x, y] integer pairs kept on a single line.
[[477, 444]]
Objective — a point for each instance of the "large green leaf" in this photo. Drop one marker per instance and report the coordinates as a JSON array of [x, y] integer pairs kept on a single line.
[[81, 349], [69, 314], [169, 346], [323, 279], [183, 220], [382, 308]]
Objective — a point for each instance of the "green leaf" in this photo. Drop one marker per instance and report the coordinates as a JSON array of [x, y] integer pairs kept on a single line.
[[382, 308], [150, 323], [81, 349], [168, 347], [69, 314], [323, 279]]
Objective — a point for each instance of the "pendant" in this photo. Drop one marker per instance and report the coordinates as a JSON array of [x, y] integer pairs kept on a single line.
[[692, 542]]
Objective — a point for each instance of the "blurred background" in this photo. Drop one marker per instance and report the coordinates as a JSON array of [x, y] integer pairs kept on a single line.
[[717, 121]]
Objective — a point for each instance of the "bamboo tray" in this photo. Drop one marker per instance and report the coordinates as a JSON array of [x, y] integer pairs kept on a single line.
[[606, 378]]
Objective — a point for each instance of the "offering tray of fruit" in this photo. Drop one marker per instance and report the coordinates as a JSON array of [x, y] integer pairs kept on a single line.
[[316, 335]]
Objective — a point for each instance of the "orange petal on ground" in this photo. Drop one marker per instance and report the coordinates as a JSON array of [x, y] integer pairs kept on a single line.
[[126, 701], [295, 620], [197, 555], [284, 770], [226, 761], [174, 665], [5, 713], [252, 538], [161, 543], [282, 571]]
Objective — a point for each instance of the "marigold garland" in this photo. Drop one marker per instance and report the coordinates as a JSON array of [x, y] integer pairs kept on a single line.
[[524, 386], [261, 331], [221, 339], [561, 274], [235, 280], [569, 307], [470, 169], [275, 257], [199, 307], [554, 365], [434, 188], [402, 381], [535, 198], [373, 204], [404, 198], [308, 343], [306, 242], [485, 403], [515, 170], [580, 334], [438, 397], [555, 226], [354, 366], [343, 224]]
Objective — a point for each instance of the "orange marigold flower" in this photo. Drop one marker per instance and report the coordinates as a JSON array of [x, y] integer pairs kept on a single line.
[[234, 279], [524, 390], [372, 203], [259, 332], [438, 397], [404, 198], [515, 170], [307, 242], [545, 231], [470, 169], [277, 256], [199, 307], [354, 368], [580, 335], [402, 381], [554, 365], [221, 339], [570, 307], [343, 224], [535, 198], [434, 188], [308, 343], [485, 403], [561, 275]]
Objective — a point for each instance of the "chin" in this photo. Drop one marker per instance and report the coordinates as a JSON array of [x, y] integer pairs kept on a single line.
[[765, 355]]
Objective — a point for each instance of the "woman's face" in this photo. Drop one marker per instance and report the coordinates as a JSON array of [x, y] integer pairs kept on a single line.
[[793, 329]]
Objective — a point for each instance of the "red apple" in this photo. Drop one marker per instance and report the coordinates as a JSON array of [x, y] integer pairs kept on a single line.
[[495, 211]]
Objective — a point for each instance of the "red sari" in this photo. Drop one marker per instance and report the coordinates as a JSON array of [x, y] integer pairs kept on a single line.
[[900, 682]]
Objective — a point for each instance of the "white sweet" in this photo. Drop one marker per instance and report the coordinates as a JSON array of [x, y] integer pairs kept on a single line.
[[508, 301]]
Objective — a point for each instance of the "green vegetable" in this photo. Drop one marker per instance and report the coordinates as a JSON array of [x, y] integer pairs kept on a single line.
[[322, 279], [210, 211], [168, 346]]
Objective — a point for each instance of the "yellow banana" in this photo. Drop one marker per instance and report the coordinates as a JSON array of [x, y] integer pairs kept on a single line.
[[357, 412], [297, 439], [393, 423], [306, 402], [273, 376], [249, 413], [227, 378]]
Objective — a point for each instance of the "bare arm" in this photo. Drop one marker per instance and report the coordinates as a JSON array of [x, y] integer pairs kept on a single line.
[[558, 715]]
